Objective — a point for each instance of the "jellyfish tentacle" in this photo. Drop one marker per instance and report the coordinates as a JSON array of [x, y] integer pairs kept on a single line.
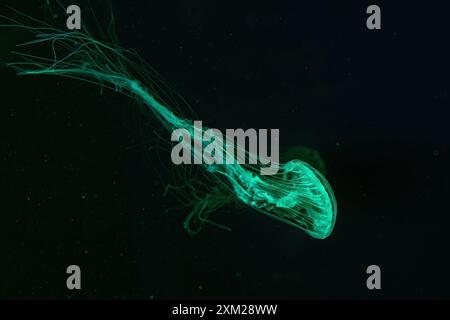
[[199, 214]]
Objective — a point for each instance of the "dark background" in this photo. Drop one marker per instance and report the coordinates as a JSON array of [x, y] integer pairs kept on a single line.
[[78, 184]]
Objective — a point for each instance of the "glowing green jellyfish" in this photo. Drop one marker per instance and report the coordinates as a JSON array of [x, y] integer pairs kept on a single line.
[[297, 194]]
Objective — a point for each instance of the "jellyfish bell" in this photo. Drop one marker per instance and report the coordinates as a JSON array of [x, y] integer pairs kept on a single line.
[[308, 201], [298, 195]]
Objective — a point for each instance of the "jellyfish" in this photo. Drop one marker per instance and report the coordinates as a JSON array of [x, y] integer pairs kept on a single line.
[[298, 194]]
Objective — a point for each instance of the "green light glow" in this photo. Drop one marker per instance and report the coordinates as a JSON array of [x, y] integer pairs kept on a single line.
[[297, 194]]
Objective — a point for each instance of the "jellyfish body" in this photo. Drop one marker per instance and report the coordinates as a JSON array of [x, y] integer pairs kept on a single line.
[[297, 194]]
